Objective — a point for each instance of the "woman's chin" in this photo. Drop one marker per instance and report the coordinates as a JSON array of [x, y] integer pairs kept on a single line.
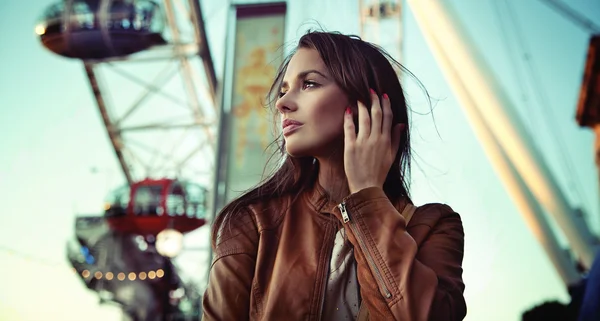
[[295, 152]]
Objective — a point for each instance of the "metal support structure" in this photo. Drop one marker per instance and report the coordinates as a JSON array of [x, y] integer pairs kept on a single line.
[[501, 118], [200, 33], [151, 138], [130, 127], [223, 139], [530, 209], [114, 136], [186, 70]]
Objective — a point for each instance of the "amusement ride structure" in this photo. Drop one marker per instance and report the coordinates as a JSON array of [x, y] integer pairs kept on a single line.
[[163, 137]]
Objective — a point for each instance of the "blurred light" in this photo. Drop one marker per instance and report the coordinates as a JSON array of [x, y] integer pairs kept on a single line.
[[89, 259], [132, 276], [160, 273], [105, 295], [40, 30], [85, 273], [109, 276], [151, 275], [177, 294], [169, 242], [121, 276], [185, 306], [142, 276], [98, 275], [141, 242]]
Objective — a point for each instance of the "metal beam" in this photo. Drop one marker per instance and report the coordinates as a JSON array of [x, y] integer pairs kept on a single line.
[[114, 136], [186, 69], [204, 52]]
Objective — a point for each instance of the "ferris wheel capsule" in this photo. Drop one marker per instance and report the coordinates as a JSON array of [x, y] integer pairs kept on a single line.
[[100, 29], [150, 206]]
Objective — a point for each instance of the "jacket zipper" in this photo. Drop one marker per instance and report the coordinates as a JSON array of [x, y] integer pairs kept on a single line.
[[377, 273]]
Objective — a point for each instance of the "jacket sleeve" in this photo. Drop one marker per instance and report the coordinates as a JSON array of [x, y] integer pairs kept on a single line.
[[398, 280], [234, 242]]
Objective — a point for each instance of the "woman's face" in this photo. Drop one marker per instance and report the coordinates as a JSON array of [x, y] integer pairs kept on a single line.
[[312, 107]]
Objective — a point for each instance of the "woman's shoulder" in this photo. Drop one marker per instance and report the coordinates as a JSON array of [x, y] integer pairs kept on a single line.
[[435, 219], [432, 214], [234, 231], [240, 226]]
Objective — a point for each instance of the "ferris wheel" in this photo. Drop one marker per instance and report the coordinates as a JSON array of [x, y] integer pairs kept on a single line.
[[133, 53], [151, 73]]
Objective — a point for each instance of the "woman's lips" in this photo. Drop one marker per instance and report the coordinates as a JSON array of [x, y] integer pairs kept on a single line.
[[289, 129]]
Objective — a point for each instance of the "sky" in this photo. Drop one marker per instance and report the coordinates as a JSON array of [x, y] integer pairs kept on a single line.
[[52, 138]]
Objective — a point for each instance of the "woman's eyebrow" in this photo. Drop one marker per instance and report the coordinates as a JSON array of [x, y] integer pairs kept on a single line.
[[303, 74], [311, 71]]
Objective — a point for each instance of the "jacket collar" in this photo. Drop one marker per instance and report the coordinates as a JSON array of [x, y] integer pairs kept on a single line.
[[319, 199]]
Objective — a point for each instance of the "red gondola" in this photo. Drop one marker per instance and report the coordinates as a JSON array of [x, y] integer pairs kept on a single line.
[[152, 205], [99, 29]]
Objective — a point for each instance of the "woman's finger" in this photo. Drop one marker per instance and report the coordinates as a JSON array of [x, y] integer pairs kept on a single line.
[[364, 121], [349, 131], [388, 116], [376, 114]]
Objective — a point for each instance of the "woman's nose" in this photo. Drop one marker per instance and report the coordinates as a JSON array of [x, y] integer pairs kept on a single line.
[[286, 103]]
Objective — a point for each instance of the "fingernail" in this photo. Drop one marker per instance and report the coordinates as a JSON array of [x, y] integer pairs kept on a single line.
[[385, 96], [372, 91], [348, 111]]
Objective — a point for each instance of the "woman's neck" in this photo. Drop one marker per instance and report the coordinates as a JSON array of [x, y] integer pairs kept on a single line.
[[332, 178]]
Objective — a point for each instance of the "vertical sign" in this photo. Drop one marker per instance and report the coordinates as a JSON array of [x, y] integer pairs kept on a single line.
[[258, 53], [254, 53]]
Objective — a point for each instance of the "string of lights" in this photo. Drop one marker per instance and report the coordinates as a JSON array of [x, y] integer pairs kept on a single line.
[[89, 274], [123, 276]]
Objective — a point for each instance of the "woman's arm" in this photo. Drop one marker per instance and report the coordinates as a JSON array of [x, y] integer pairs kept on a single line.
[[235, 243], [399, 281]]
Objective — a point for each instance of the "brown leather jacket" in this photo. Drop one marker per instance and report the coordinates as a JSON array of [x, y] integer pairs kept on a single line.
[[271, 262]]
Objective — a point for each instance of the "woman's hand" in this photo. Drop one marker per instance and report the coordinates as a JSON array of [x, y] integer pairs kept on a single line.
[[369, 154]]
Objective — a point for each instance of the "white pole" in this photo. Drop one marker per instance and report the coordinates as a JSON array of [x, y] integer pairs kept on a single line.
[[503, 121], [529, 208], [501, 118]]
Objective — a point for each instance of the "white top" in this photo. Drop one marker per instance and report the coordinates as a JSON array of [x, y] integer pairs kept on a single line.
[[342, 292]]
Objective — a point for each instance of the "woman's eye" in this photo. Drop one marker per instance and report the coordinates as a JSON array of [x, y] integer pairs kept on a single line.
[[281, 93], [308, 84]]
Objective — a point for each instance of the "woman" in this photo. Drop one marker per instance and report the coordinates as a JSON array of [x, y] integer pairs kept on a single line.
[[326, 236]]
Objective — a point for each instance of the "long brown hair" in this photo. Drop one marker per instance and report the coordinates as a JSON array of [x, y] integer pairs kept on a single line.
[[356, 66]]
